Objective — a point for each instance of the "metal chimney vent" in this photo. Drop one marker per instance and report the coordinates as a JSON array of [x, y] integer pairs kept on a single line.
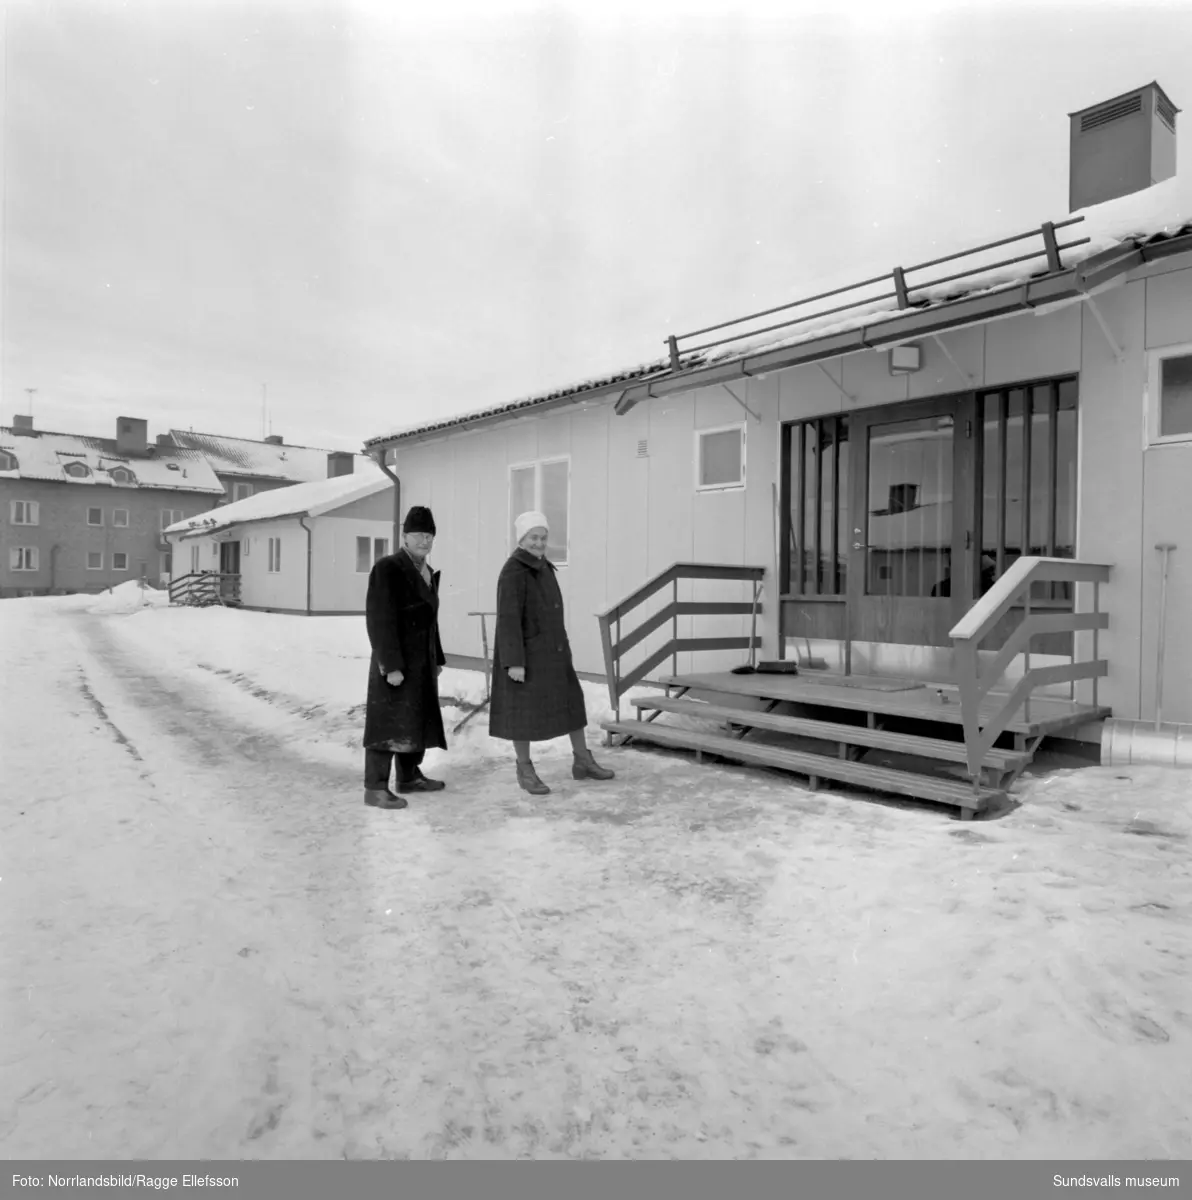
[[1113, 111], [643, 449], [1121, 146]]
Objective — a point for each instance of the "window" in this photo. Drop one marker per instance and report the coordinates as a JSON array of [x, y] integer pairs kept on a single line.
[[95, 516], [8, 462], [1026, 479], [120, 518], [94, 560], [25, 512], [369, 551], [1169, 389], [543, 487], [817, 467], [171, 516], [720, 458], [194, 558], [274, 554], [119, 562], [241, 491], [77, 470], [23, 558], [121, 475]]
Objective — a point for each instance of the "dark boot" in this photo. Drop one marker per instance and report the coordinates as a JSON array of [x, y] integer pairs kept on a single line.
[[527, 777], [383, 798], [584, 766], [420, 783]]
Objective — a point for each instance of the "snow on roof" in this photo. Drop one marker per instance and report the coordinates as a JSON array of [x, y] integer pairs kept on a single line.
[[1161, 211], [259, 460], [299, 499], [44, 455]]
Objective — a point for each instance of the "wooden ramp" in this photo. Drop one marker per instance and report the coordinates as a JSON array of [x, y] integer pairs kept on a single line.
[[830, 723]]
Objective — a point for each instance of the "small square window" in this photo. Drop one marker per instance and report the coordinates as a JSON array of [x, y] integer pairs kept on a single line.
[[120, 518], [95, 516], [95, 560], [363, 563], [119, 562], [721, 457], [241, 491]]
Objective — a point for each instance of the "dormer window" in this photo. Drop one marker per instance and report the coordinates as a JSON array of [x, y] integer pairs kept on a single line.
[[77, 470], [122, 475], [8, 462]]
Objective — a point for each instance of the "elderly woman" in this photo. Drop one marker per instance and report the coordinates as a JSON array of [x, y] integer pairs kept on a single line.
[[535, 692]]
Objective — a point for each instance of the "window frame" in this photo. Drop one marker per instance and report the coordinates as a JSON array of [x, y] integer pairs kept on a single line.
[[7, 456], [368, 565], [1154, 395], [32, 553], [94, 508], [31, 508], [116, 524], [95, 554], [171, 516], [799, 579], [236, 491], [119, 554], [739, 486], [122, 476], [274, 565], [76, 469], [537, 464]]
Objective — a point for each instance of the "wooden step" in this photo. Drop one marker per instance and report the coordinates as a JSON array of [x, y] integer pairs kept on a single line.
[[831, 731], [815, 766]]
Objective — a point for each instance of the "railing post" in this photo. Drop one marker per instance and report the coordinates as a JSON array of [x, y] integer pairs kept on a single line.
[[672, 344], [1026, 653], [675, 630], [1053, 250], [1096, 637], [900, 287]]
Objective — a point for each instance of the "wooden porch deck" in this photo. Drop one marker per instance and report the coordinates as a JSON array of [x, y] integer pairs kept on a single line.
[[906, 698]]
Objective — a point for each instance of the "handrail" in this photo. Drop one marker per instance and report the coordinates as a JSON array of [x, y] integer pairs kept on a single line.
[[203, 586], [903, 290], [1008, 592], [610, 622]]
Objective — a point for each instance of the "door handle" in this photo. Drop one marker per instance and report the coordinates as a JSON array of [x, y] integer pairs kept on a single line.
[[858, 546]]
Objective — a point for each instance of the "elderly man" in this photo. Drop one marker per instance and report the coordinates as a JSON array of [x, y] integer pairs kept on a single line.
[[402, 717]]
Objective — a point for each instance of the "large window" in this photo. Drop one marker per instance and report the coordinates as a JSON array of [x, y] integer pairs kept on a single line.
[[25, 512], [170, 516], [817, 454], [23, 558], [543, 487], [1026, 466]]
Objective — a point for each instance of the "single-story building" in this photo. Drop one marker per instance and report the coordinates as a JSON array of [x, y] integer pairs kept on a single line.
[[884, 452], [307, 548]]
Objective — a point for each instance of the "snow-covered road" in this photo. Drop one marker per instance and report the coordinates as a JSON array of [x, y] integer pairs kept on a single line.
[[211, 948]]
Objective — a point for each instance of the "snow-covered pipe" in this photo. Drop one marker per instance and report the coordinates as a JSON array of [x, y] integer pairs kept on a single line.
[[310, 558]]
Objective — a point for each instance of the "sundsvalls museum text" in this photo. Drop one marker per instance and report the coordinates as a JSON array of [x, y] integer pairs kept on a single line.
[[157, 1183]]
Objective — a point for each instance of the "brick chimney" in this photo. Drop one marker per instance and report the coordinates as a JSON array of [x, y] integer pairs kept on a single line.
[[274, 439], [340, 462], [1121, 146], [132, 435], [165, 442], [22, 425]]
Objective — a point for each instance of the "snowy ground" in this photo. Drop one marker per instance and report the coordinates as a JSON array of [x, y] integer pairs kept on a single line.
[[212, 948]]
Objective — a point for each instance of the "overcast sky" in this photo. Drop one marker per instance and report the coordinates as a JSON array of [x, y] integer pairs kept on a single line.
[[386, 216]]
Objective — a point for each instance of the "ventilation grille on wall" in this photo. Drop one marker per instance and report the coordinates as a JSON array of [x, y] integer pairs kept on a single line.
[[643, 449], [1111, 112], [1166, 111]]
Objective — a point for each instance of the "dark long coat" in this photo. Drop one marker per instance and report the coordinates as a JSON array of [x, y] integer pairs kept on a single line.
[[402, 617], [531, 634]]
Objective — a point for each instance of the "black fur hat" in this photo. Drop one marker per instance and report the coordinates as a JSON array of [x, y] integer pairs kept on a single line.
[[419, 520]]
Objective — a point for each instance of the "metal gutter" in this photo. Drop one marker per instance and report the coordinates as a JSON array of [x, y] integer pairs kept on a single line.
[[310, 560], [379, 459]]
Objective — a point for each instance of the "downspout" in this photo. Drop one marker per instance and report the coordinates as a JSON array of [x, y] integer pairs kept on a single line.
[[310, 558], [379, 459], [54, 567]]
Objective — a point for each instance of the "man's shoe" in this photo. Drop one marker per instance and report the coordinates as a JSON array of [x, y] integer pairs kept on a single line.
[[383, 798], [420, 783]]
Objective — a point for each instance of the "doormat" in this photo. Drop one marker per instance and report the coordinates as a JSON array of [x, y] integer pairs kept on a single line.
[[871, 683]]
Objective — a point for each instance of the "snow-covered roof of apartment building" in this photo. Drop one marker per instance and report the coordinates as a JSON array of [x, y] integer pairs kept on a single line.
[[1158, 214], [259, 460], [45, 455], [298, 500]]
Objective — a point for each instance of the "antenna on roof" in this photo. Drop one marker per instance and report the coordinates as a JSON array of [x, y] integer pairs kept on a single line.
[[264, 395], [32, 392]]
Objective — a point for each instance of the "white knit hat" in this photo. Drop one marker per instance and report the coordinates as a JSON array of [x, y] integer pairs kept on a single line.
[[528, 521]]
